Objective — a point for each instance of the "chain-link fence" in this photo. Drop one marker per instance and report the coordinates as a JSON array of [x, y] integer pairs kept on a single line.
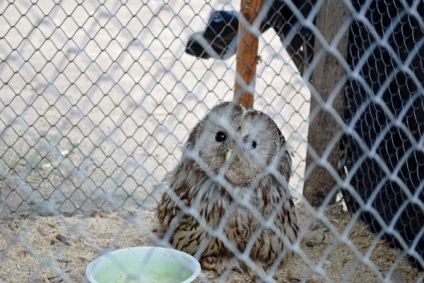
[[98, 99]]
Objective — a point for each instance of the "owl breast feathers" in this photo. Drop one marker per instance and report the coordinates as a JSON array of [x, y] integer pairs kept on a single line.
[[230, 190]]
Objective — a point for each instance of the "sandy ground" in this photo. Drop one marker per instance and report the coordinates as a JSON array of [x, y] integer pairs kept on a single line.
[[58, 249], [96, 101]]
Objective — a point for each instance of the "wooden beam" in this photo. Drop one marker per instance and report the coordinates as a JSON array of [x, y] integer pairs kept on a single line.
[[323, 128], [247, 53]]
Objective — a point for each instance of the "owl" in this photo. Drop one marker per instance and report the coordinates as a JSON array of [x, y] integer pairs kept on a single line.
[[229, 193]]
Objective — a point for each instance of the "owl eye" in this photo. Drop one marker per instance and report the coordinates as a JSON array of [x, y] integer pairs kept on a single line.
[[249, 143], [220, 137]]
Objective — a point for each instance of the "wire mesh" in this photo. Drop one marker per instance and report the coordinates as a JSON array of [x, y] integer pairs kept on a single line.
[[383, 107], [98, 98]]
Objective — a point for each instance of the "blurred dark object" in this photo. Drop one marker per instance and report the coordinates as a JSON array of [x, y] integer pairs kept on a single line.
[[384, 108], [220, 34]]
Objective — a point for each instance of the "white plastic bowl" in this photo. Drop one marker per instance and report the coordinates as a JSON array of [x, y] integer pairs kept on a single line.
[[143, 264]]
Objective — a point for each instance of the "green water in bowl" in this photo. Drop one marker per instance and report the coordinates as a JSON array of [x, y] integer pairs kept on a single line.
[[166, 277], [151, 278], [131, 267]]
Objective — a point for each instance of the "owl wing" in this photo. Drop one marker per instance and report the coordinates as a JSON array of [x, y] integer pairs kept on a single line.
[[175, 194]]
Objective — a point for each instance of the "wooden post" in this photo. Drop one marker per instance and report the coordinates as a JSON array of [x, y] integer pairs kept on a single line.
[[323, 127], [247, 53]]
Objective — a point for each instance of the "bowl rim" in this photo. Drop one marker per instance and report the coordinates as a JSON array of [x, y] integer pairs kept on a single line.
[[196, 271]]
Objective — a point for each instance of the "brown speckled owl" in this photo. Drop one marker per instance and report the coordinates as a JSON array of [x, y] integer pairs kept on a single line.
[[229, 193]]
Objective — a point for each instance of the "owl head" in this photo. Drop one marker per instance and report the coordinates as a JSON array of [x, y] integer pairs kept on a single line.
[[238, 143]]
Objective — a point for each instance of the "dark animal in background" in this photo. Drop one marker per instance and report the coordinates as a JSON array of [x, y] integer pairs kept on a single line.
[[220, 34], [385, 166]]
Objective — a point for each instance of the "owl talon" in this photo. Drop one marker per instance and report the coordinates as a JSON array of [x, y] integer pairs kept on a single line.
[[209, 262], [215, 264]]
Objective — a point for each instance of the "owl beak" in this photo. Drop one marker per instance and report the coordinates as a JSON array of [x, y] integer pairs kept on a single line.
[[228, 154]]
